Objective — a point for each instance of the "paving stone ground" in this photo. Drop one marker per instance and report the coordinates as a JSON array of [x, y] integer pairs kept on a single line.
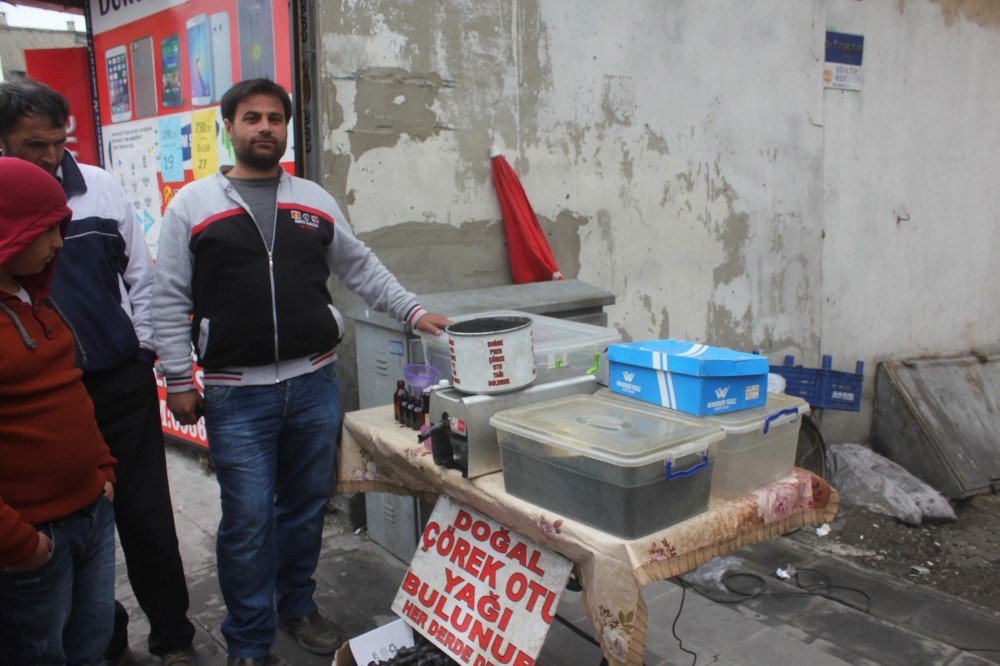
[[357, 580], [961, 558]]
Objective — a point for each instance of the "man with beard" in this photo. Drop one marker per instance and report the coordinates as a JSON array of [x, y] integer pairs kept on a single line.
[[243, 262]]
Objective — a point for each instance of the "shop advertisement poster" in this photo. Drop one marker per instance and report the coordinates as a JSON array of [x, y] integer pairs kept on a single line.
[[481, 593], [842, 66], [161, 69]]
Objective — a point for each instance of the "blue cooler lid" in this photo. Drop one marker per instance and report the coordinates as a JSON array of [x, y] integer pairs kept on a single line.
[[688, 358]]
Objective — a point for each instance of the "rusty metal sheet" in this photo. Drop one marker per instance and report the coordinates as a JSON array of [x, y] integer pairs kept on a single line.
[[940, 419]]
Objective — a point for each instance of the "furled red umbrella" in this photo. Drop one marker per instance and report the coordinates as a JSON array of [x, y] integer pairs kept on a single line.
[[530, 256]]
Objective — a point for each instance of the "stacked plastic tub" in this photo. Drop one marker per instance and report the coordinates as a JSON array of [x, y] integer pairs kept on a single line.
[[622, 468], [759, 444], [630, 467]]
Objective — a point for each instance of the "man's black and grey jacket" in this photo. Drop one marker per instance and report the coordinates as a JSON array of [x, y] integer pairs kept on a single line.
[[258, 314]]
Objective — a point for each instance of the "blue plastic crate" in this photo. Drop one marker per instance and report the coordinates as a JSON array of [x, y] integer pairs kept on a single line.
[[823, 388], [841, 390]]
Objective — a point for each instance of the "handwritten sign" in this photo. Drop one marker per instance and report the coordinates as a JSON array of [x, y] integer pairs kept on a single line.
[[204, 148], [482, 594]]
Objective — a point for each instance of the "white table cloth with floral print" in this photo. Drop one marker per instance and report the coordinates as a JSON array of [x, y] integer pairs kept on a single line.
[[378, 455]]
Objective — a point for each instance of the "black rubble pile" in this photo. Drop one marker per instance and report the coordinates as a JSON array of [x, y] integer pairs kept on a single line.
[[424, 653]]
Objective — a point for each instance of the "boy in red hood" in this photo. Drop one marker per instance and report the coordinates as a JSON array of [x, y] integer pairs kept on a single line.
[[57, 553]]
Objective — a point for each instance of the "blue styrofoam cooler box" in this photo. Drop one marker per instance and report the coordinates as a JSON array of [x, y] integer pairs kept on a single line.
[[689, 377]]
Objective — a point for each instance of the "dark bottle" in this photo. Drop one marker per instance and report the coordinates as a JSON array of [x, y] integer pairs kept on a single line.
[[408, 413], [418, 414], [427, 405], [397, 399]]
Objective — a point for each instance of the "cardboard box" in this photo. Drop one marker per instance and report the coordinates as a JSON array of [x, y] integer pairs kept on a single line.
[[689, 377], [343, 656], [380, 643]]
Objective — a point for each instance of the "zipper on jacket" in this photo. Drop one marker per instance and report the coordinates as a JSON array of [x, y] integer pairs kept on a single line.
[[235, 196], [274, 293], [274, 300]]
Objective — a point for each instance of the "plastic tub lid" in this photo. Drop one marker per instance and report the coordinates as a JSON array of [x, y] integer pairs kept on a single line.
[[779, 408], [608, 430], [551, 336]]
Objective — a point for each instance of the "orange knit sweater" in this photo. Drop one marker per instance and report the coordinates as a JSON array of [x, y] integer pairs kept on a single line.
[[53, 460]]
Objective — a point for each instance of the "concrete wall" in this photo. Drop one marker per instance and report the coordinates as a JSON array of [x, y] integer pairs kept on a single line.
[[14, 41], [911, 211], [685, 156]]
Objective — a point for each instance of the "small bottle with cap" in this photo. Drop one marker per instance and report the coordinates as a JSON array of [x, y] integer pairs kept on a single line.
[[398, 398]]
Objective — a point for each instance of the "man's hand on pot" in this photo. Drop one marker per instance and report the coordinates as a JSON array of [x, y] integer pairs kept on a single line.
[[432, 323]]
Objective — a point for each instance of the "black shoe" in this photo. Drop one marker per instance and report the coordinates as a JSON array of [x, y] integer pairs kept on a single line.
[[179, 658], [314, 633]]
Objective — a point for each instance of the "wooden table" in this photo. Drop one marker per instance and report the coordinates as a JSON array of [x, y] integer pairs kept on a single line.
[[378, 455]]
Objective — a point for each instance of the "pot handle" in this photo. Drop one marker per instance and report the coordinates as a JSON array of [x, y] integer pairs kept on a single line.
[[689, 471]]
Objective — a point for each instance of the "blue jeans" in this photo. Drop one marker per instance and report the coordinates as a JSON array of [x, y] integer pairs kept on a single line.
[[274, 450], [63, 612]]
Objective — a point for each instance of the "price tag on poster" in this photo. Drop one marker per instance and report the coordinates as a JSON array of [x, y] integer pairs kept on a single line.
[[171, 150], [204, 149], [481, 593]]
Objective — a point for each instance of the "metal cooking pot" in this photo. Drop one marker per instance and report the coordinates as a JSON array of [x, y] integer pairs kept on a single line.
[[491, 354]]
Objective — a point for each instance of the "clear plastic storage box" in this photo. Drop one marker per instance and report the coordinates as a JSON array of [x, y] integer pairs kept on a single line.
[[760, 443], [624, 470], [559, 343], [759, 447]]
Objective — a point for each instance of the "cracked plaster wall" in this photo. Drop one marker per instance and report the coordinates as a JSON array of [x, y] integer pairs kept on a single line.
[[912, 248], [675, 153]]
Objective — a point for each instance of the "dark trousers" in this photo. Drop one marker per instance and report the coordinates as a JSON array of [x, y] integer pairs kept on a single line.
[[128, 415]]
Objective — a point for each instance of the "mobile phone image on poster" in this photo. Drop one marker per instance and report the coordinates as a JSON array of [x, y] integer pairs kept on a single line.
[[256, 35], [199, 60], [120, 96], [222, 59], [144, 76], [170, 68]]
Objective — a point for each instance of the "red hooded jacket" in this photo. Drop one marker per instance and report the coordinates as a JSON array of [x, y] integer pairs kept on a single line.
[[53, 460]]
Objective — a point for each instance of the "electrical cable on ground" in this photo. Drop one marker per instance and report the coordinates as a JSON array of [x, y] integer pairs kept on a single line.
[[822, 585], [576, 630], [673, 627]]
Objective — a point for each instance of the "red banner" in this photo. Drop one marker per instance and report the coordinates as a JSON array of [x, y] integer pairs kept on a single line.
[[193, 434], [68, 71]]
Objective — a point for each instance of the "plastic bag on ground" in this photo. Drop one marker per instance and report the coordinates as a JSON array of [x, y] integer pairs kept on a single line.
[[868, 479], [709, 575]]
